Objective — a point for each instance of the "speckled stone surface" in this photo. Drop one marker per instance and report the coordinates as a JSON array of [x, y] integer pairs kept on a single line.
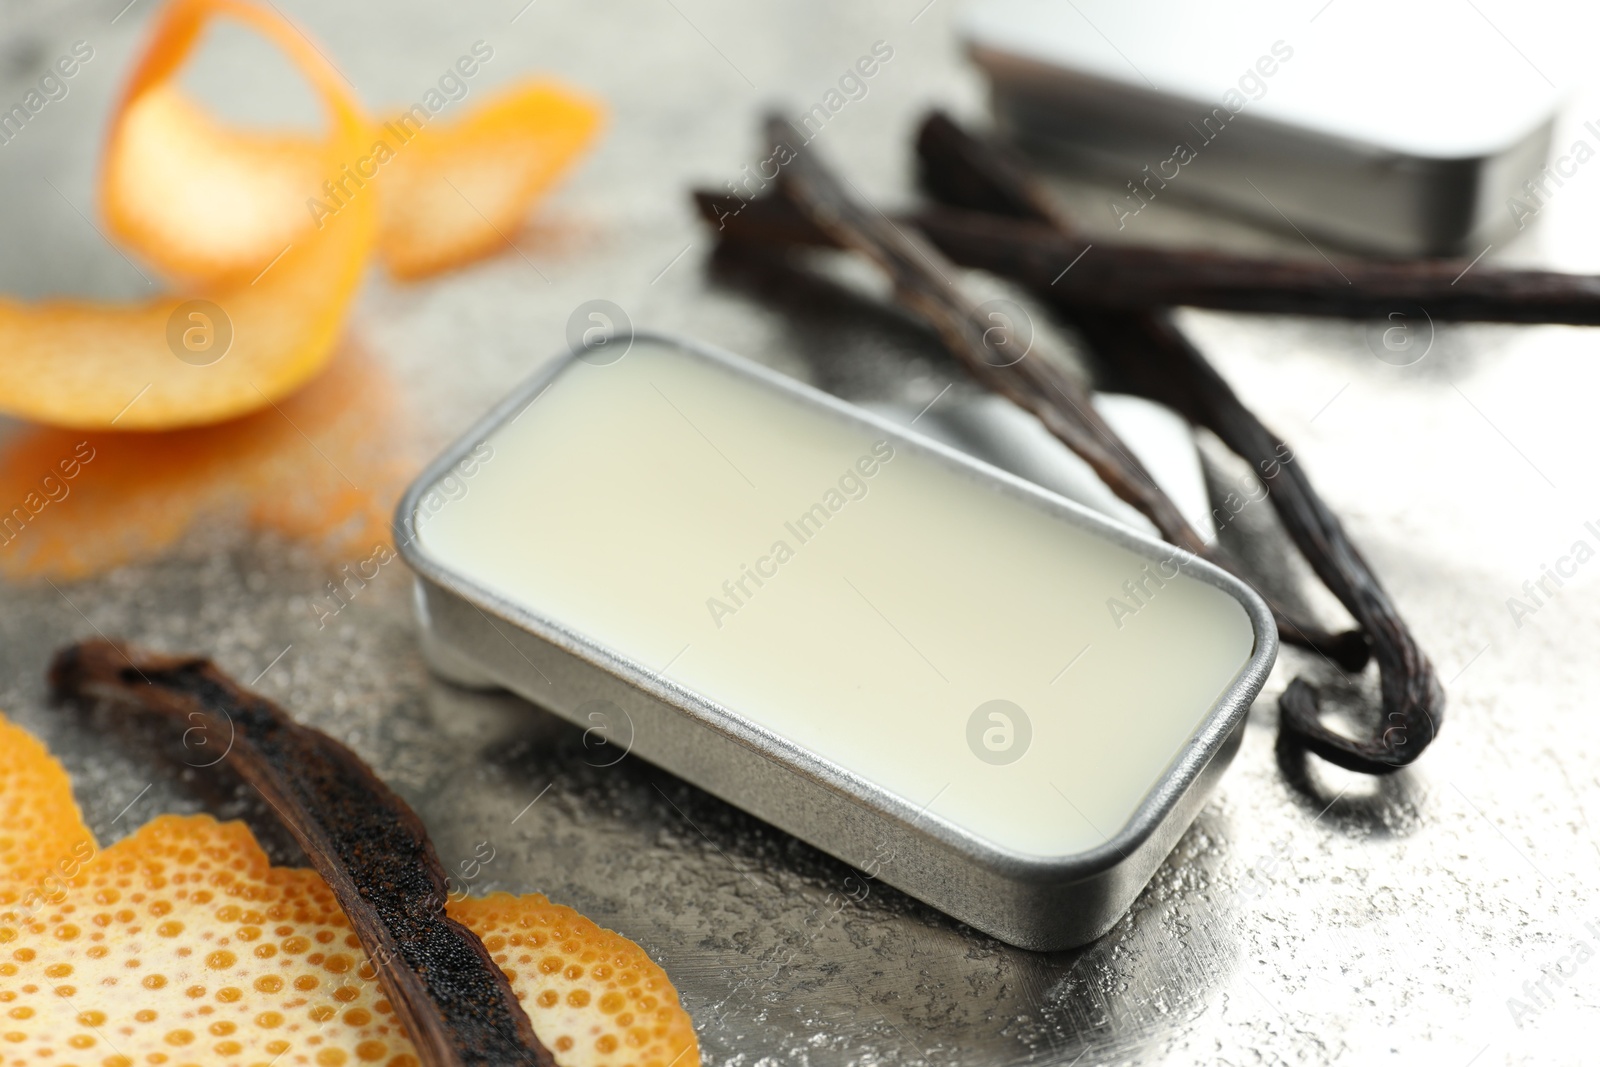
[[1309, 916]]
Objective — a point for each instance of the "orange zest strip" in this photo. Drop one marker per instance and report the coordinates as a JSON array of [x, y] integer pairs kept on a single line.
[[182, 944], [458, 192], [266, 252], [88, 365]]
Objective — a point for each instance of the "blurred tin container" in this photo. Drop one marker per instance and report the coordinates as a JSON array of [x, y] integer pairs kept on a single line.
[[1406, 129], [477, 634]]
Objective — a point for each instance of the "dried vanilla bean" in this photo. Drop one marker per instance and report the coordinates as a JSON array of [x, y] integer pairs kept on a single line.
[[369, 846], [1142, 277], [1148, 348], [1163, 365]]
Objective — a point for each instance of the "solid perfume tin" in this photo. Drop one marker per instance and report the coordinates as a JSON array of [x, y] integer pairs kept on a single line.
[[981, 693]]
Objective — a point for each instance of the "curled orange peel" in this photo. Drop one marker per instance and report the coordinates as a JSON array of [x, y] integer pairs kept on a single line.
[[231, 216], [89, 365], [181, 944]]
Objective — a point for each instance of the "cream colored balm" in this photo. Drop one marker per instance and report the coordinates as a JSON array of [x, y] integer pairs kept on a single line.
[[918, 623]]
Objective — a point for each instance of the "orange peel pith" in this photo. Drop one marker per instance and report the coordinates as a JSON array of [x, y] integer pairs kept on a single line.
[[232, 216], [593, 995], [182, 944]]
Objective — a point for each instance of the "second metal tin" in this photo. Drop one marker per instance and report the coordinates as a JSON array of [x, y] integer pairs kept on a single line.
[[1253, 107]]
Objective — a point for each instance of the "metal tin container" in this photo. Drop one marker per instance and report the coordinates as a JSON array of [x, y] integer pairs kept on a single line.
[[481, 631], [1254, 108]]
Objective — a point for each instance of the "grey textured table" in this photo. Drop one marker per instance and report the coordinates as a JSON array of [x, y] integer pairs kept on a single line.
[[1308, 917]]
